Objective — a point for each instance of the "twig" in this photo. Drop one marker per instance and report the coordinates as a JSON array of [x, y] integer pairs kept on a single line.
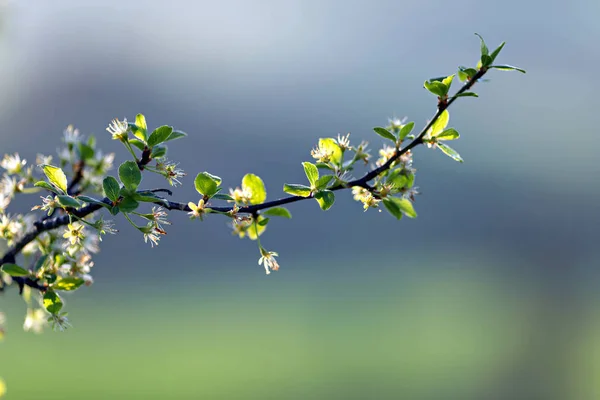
[[44, 225]]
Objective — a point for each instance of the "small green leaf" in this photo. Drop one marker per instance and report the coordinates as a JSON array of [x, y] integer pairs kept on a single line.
[[176, 135], [56, 176], [14, 270], [158, 151], [484, 49], [206, 184], [325, 198], [47, 186], [323, 181], [255, 187], [52, 302], [312, 173], [507, 68], [221, 196], [448, 134], [297, 190], [448, 81], [278, 212], [138, 143], [466, 94], [440, 124], [486, 61], [114, 210], [330, 145], [406, 207], [450, 152], [149, 197], [111, 188], [396, 204], [91, 200], [497, 51], [142, 129], [85, 151], [128, 204], [437, 88], [263, 222], [466, 73], [68, 201], [405, 130], [384, 133], [130, 175], [39, 264], [68, 284], [392, 207], [159, 135]]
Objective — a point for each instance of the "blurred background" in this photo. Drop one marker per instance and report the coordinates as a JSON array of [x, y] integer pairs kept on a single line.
[[491, 293]]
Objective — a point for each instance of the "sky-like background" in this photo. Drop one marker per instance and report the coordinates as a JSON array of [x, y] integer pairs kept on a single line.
[[490, 293]]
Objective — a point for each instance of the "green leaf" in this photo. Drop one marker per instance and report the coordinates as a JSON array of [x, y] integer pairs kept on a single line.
[[325, 198], [466, 73], [448, 134], [14, 270], [255, 187], [91, 200], [392, 207], [397, 206], [450, 152], [159, 135], [448, 81], [128, 204], [138, 143], [486, 61], [312, 173], [158, 151], [47, 186], [68, 284], [440, 124], [466, 94], [296, 190], [278, 212], [39, 264], [215, 178], [437, 88], [130, 175], [85, 151], [400, 178], [56, 176], [206, 184], [506, 67], [68, 201], [52, 302], [149, 197], [221, 196], [406, 207], [497, 51], [484, 49], [384, 133], [263, 222], [323, 181], [330, 145], [176, 135], [111, 188], [142, 129], [114, 210], [405, 130]]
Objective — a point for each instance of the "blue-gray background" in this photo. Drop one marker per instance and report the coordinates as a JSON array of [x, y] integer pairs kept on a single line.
[[490, 293]]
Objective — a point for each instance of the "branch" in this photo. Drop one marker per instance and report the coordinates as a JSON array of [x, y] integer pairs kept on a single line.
[[48, 224]]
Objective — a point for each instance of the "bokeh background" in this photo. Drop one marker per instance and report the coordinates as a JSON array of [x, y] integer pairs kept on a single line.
[[491, 293]]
